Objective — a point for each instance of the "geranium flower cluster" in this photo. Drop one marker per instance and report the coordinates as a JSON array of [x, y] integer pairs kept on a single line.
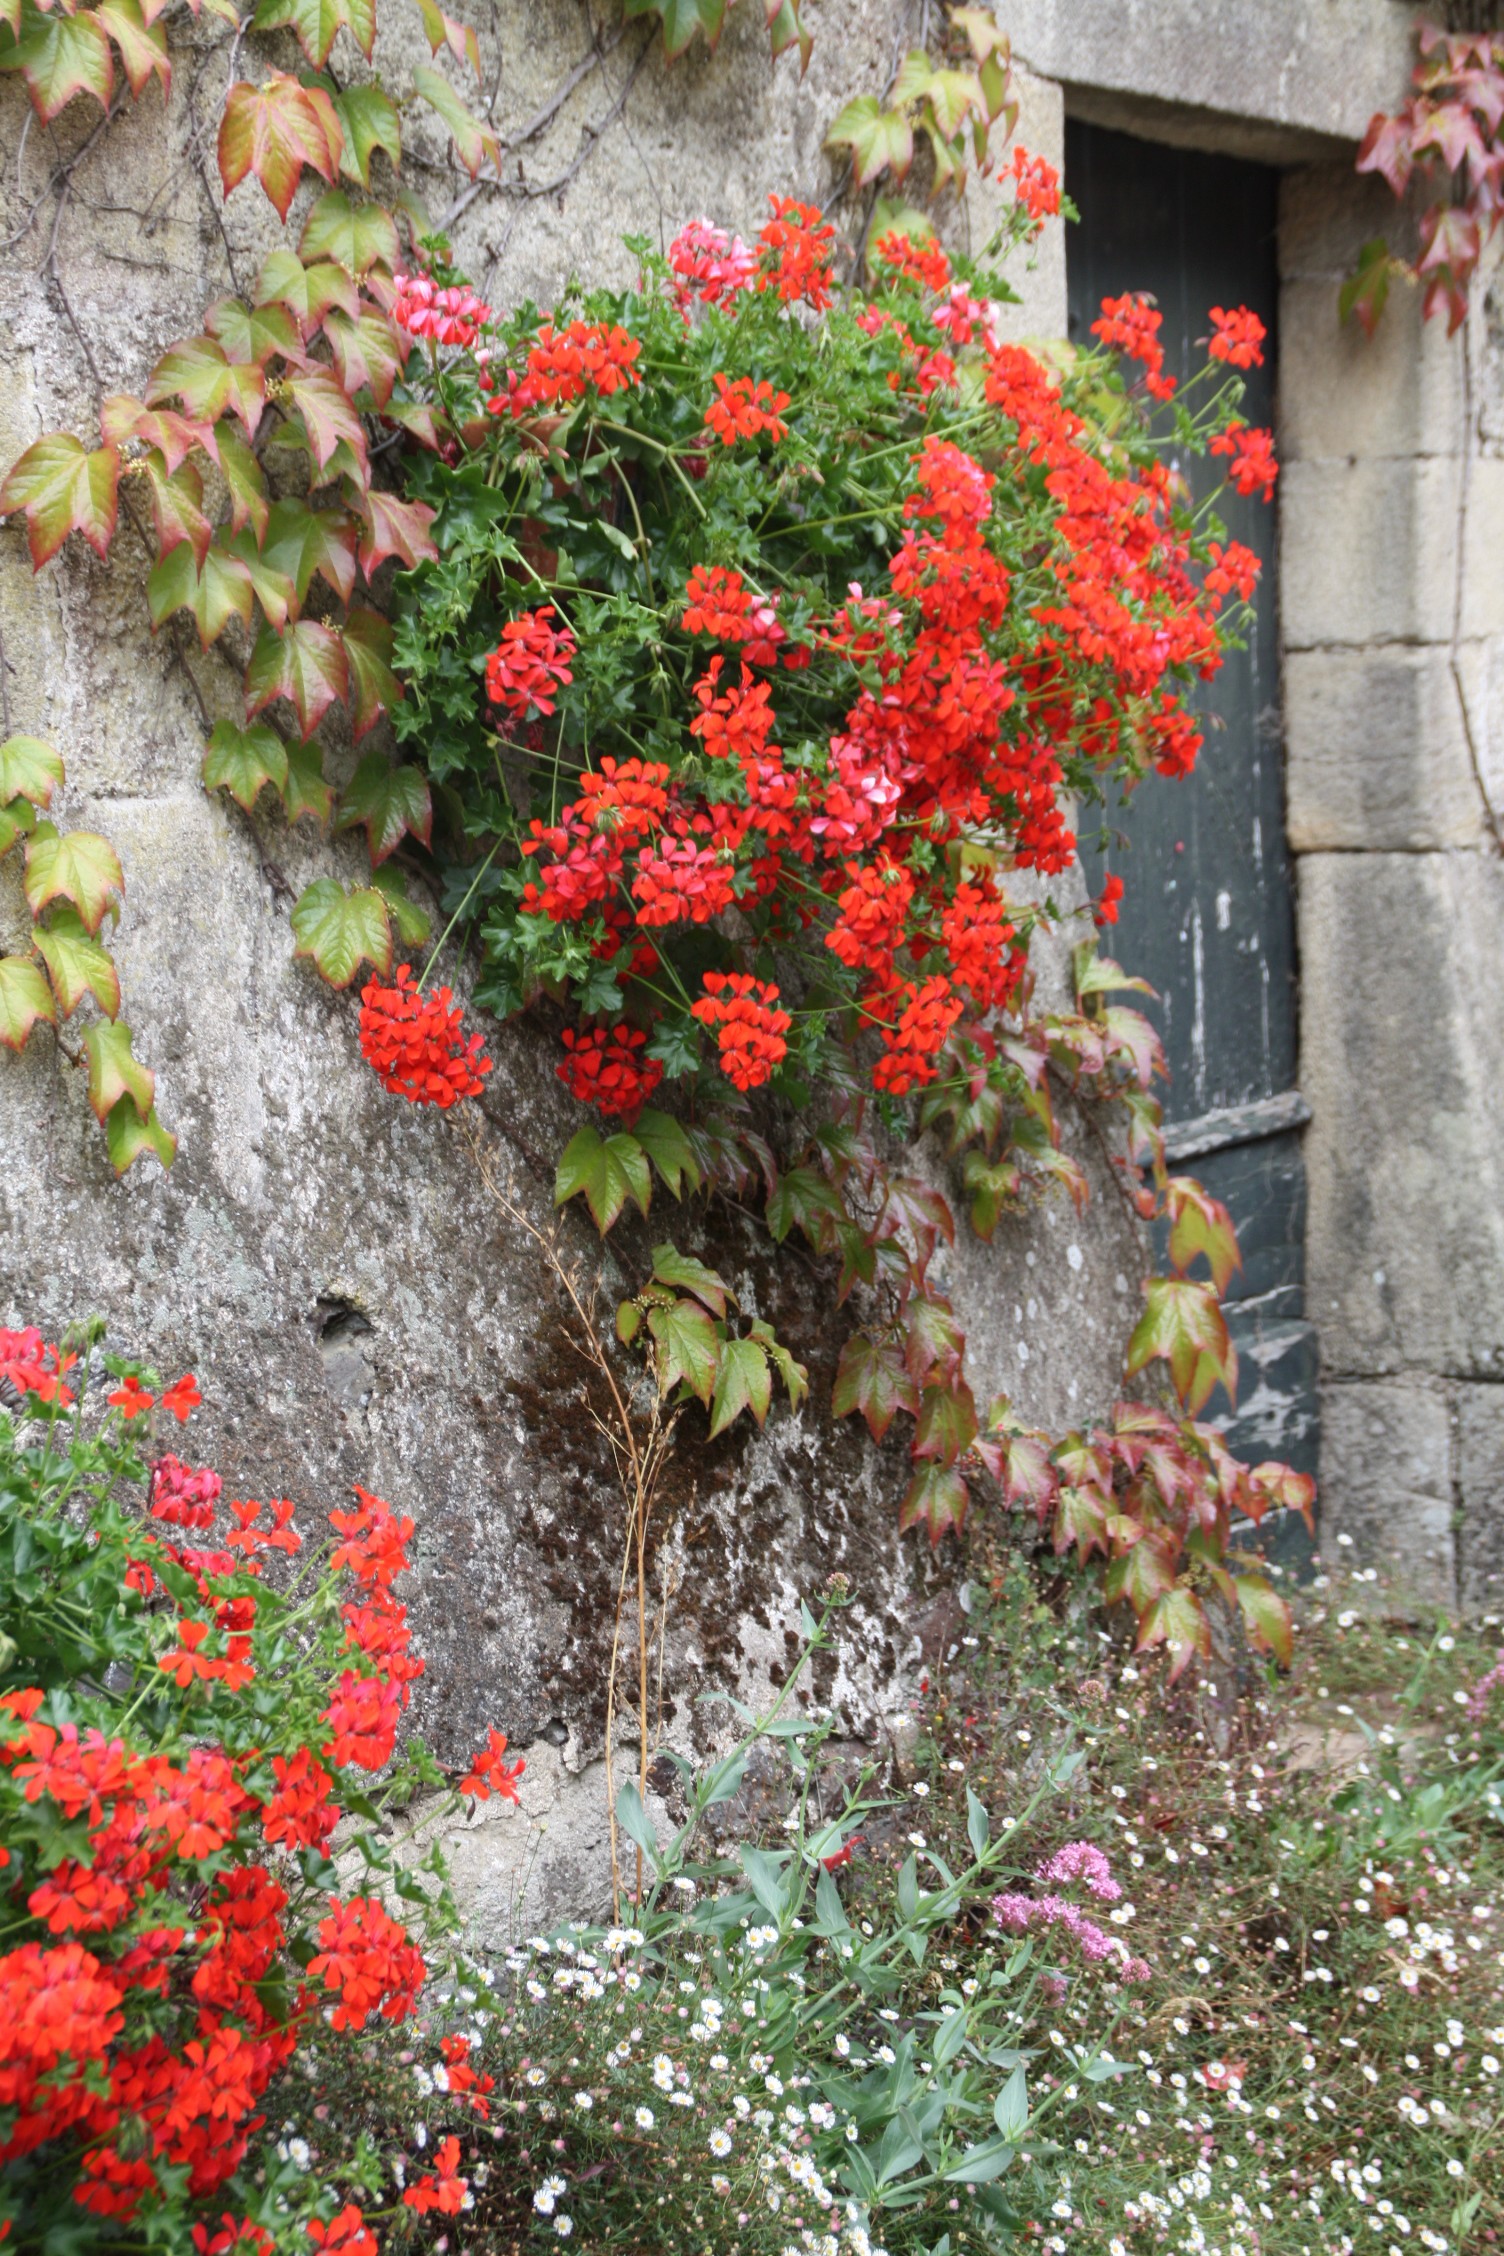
[[416, 1044], [171, 1921], [817, 699]]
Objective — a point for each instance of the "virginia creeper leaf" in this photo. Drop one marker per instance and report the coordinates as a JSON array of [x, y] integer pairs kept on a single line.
[[872, 1378], [142, 45], [608, 1174], [129, 1132], [243, 761], [354, 236], [442, 31], [412, 925], [937, 1499], [173, 435], [177, 502], [77, 866], [340, 931], [254, 333], [1178, 1620], [24, 998], [274, 130], [305, 791], [474, 144], [307, 292], [795, 1376], [1201, 1224], [880, 140], [115, 1073], [327, 416], [394, 528], [300, 541], [29, 769], [368, 118], [60, 56], [947, 1422], [201, 374], [374, 688], [387, 803], [786, 29], [667, 1146], [16, 821], [1267, 1617], [316, 23], [249, 508], [63, 489], [1183, 1324], [683, 1271], [305, 664], [215, 593], [688, 1348], [742, 1382], [77, 963], [681, 19]]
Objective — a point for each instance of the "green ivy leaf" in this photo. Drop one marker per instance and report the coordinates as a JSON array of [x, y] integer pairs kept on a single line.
[[474, 144], [947, 1422], [305, 664], [61, 487], [216, 591], [937, 1499], [24, 998], [340, 931], [686, 1274], [254, 334], [442, 31], [1267, 1617], [880, 140], [667, 1146], [607, 1173], [79, 964], [743, 1381], [1178, 1620], [18, 820], [243, 761], [114, 1072], [60, 56], [387, 803], [77, 866], [412, 925], [274, 130], [305, 791], [374, 688], [1183, 1325], [129, 1132], [368, 116], [681, 19], [688, 1348], [29, 769]]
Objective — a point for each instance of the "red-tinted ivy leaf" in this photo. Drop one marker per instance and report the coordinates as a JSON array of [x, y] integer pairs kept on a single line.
[[872, 1378], [1031, 1136], [1201, 1224], [368, 118], [688, 1349], [412, 925], [215, 594], [1388, 148], [273, 588], [667, 1146], [415, 417], [1183, 1324], [1021, 1465], [243, 761], [60, 56], [795, 1376], [387, 803], [1133, 1041], [246, 484], [300, 541], [916, 1206], [1141, 1575], [1096, 974], [317, 24], [811, 1201], [340, 931], [115, 1072], [129, 1132], [77, 866], [394, 527], [77, 963], [374, 689], [274, 130], [937, 1499], [1278, 1488], [63, 489], [947, 1423], [1453, 132], [327, 417], [305, 663], [17, 820], [993, 1189], [1451, 242], [686, 1274], [1365, 293], [442, 31], [607, 1174], [474, 143], [201, 375], [305, 791], [29, 769], [142, 44], [368, 356], [681, 19], [177, 503], [173, 435], [1177, 1620], [24, 998], [1080, 1518], [933, 1340], [743, 1381], [307, 292], [1267, 1617], [354, 236], [880, 140], [786, 29], [255, 334]]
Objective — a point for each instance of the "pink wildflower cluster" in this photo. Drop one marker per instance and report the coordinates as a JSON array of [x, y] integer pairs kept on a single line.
[[1018, 1913], [1478, 1698], [1080, 1860]]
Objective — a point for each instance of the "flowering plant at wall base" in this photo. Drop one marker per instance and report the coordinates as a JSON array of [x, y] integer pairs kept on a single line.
[[181, 1734]]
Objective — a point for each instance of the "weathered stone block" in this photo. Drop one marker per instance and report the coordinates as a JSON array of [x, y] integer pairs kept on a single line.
[[1368, 551], [1480, 1483], [1386, 1482], [1483, 549], [1376, 751], [1480, 669], [1345, 394], [1327, 212], [1402, 1033]]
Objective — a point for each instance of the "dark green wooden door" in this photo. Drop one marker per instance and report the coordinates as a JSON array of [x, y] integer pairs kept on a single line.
[[1207, 915]]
